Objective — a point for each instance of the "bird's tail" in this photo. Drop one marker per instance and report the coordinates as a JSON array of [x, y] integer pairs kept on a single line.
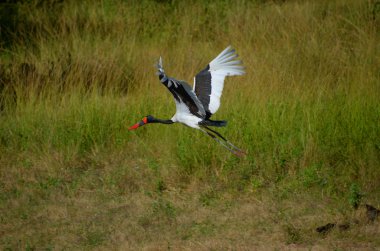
[[216, 123], [160, 71]]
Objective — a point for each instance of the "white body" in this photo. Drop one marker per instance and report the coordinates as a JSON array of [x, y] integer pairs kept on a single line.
[[184, 116]]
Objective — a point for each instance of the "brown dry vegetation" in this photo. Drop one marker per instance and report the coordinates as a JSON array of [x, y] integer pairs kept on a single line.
[[75, 74]]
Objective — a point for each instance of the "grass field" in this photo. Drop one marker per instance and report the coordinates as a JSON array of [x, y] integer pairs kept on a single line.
[[76, 74]]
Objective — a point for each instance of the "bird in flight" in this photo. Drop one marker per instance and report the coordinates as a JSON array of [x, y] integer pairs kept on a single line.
[[194, 107]]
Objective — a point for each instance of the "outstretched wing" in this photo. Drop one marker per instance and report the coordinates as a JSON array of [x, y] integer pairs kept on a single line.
[[182, 92], [209, 83]]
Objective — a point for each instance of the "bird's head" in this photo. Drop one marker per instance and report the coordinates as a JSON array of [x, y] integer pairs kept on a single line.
[[147, 119]]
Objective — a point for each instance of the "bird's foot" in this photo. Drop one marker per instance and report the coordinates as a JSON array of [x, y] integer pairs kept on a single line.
[[239, 153]]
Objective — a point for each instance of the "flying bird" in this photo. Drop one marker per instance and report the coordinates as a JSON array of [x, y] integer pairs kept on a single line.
[[195, 106]]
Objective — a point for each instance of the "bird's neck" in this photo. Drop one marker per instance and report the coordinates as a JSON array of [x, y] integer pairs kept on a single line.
[[162, 121]]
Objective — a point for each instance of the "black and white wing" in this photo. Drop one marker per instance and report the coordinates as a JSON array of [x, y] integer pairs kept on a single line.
[[209, 83], [185, 98]]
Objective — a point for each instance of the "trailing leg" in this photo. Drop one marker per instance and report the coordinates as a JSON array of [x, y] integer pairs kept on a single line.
[[223, 142], [223, 138]]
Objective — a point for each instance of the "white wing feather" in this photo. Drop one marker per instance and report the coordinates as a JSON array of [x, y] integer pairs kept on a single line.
[[220, 67]]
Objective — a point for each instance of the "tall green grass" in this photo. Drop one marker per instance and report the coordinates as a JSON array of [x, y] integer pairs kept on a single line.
[[80, 73]]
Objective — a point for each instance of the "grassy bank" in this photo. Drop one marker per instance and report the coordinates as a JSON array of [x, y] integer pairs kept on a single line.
[[75, 75]]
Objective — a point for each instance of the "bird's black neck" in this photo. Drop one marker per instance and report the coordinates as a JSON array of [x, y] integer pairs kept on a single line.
[[162, 121]]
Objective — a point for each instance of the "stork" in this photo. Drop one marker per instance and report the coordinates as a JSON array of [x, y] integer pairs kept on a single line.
[[194, 107]]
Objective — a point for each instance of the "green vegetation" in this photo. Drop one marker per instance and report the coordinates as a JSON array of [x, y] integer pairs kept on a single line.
[[74, 75]]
